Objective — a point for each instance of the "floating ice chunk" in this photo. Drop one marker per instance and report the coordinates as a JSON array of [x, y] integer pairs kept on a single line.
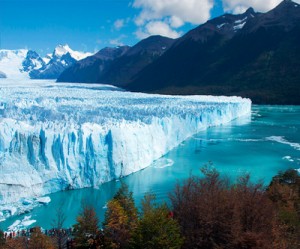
[[14, 226], [21, 224], [282, 140], [27, 223], [27, 201], [12, 210], [288, 158], [44, 200], [163, 163]]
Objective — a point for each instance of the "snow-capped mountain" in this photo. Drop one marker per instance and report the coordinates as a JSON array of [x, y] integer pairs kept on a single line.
[[32, 62], [11, 63], [62, 50], [25, 63]]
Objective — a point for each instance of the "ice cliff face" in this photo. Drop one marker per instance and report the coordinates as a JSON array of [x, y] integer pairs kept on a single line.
[[61, 136]]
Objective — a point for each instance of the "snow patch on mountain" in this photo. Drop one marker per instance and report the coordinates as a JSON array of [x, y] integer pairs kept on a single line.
[[61, 50], [47, 58], [239, 26]]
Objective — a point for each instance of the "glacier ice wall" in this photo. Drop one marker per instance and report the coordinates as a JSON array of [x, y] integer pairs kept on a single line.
[[65, 136]]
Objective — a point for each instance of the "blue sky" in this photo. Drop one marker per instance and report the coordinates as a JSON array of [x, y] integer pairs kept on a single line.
[[89, 25]]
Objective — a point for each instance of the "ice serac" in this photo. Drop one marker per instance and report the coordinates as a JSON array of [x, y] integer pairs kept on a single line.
[[66, 136]]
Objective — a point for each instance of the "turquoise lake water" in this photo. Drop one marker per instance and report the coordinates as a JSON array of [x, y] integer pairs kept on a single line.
[[262, 145]]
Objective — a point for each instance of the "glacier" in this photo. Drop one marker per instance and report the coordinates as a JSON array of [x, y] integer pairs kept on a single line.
[[55, 137]]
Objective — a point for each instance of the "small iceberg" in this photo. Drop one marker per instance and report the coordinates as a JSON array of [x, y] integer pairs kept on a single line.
[[288, 158], [27, 202], [44, 200], [21, 224], [14, 225], [163, 163]]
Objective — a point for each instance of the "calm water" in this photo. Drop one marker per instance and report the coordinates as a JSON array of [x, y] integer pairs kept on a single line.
[[262, 145]]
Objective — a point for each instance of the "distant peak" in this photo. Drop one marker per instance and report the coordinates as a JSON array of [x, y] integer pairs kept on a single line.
[[250, 11], [288, 3], [61, 50]]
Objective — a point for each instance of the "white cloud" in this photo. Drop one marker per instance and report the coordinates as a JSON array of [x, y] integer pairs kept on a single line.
[[240, 6], [118, 24], [192, 11], [117, 41], [157, 28], [163, 17], [161, 28], [176, 22]]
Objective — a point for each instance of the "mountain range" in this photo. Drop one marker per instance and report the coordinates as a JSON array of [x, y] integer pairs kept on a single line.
[[117, 66], [255, 55], [24, 63]]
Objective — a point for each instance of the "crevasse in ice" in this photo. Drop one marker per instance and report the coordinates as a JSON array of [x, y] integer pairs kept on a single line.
[[66, 136]]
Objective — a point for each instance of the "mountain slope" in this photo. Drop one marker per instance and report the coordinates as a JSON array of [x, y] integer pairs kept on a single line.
[[89, 69], [125, 68], [122, 67], [260, 60]]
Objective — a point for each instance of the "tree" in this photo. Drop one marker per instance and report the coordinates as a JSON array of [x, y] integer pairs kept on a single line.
[[284, 191], [86, 229], [120, 219], [60, 237], [117, 231], [2, 239], [17, 243], [203, 210], [215, 214], [254, 218], [124, 197], [156, 228], [39, 241]]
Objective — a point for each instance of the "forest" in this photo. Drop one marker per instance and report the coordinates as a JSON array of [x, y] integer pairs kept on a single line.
[[208, 212]]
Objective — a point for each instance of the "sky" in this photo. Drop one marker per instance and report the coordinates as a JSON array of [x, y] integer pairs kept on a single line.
[[89, 25]]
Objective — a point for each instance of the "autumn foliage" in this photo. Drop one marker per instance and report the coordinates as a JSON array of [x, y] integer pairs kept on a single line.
[[206, 212], [214, 214]]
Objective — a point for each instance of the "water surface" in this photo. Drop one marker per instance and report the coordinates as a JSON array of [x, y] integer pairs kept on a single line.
[[262, 145]]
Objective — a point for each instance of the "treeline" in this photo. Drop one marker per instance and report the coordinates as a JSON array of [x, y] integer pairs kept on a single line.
[[204, 212]]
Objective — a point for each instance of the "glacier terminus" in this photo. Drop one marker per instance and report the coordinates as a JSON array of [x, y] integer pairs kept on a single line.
[[58, 136]]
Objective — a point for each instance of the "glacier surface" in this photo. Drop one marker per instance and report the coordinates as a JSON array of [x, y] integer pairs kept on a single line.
[[67, 136]]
